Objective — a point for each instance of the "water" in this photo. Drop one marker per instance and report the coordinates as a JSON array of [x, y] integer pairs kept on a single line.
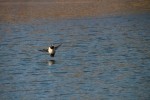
[[105, 58]]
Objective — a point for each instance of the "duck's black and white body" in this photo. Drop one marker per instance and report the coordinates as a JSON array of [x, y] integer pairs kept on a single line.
[[51, 50]]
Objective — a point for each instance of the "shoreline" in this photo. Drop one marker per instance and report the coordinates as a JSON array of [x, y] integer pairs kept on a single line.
[[26, 11]]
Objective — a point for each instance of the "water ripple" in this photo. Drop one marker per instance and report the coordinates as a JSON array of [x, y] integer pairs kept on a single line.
[[100, 58]]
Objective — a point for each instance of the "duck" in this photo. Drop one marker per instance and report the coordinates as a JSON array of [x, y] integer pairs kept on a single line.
[[51, 50]]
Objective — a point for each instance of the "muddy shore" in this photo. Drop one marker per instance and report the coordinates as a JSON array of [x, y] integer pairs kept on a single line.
[[22, 10]]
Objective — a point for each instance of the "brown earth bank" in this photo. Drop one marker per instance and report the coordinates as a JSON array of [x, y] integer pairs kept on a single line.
[[26, 10]]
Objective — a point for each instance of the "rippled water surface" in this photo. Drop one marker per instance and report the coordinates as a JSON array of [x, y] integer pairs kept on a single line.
[[100, 59]]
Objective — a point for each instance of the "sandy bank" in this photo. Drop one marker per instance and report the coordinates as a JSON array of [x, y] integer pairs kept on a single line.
[[25, 11]]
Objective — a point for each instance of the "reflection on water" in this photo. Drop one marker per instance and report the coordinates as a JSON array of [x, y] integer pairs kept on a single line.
[[51, 62], [101, 58]]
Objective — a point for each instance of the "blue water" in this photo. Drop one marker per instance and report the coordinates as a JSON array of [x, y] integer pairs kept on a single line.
[[105, 58]]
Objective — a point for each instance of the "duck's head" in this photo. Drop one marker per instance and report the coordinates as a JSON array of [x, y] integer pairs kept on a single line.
[[52, 47]]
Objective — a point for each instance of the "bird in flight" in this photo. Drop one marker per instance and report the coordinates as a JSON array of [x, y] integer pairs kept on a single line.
[[51, 50]]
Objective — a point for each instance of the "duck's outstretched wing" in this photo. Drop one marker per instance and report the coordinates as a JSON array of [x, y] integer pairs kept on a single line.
[[44, 50], [57, 46]]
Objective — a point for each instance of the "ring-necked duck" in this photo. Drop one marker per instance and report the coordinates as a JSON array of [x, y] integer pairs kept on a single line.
[[51, 50]]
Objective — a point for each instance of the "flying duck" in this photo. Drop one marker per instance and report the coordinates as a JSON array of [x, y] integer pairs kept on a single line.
[[51, 50]]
